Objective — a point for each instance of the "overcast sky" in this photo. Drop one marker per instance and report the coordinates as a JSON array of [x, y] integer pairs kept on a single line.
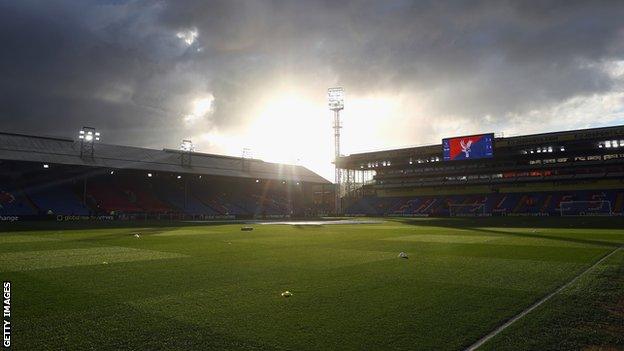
[[233, 74]]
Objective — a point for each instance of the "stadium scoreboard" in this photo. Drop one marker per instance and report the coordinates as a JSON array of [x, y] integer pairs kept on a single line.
[[468, 147]]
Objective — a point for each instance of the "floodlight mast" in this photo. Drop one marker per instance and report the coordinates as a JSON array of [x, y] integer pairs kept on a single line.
[[335, 99], [246, 155], [88, 136], [187, 148]]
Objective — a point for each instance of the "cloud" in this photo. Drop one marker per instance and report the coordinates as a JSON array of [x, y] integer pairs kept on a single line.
[[136, 70], [201, 108], [188, 35]]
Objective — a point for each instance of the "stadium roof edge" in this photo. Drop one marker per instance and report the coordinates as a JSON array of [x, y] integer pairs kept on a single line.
[[519, 137], [58, 150], [38, 136], [212, 155]]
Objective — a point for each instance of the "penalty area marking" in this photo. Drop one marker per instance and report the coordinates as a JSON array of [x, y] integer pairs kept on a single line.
[[515, 318]]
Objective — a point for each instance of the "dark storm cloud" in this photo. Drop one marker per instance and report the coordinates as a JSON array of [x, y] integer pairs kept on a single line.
[[68, 64], [119, 64]]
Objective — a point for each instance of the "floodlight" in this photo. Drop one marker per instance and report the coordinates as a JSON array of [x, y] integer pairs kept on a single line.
[[187, 145], [179, 177], [247, 153], [46, 166], [149, 175], [335, 98], [88, 136], [257, 180], [112, 172]]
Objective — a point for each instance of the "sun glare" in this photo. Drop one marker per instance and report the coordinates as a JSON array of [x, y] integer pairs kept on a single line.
[[365, 119], [290, 127], [203, 105], [282, 127], [199, 109], [287, 128], [188, 36]]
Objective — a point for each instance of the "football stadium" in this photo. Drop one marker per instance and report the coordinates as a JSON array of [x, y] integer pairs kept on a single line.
[[481, 242], [414, 175]]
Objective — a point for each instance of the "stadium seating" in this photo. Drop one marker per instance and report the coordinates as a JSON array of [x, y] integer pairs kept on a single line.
[[57, 200], [136, 196], [189, 204], [108, 198], [15, 203], [588, 202], [167, 196], [220, 202], [143, 197]]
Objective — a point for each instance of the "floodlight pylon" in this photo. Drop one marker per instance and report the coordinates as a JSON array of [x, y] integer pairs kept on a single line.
[[88, 136], [187, 149], [335, 99]]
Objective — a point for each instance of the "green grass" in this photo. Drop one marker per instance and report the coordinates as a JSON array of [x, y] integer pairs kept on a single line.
[[183, 286]]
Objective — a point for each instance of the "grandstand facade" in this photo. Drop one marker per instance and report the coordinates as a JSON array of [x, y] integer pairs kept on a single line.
[[579, 172], [49, 178]]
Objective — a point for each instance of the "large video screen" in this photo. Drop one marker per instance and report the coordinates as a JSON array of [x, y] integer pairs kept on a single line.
[[468, 147]]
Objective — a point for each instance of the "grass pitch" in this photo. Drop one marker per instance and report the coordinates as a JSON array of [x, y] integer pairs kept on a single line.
[[183, 286]]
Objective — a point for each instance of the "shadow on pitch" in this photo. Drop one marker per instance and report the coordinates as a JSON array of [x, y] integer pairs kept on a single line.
[[78, 225], [490, 225]]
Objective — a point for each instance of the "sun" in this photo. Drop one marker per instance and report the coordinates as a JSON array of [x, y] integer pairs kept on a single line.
[[288, 127], [295, 127]]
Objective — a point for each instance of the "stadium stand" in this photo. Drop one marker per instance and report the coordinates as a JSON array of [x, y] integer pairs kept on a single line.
[[14, 202], [544, 203], [44, 177], [108, 198], [57, 200], [187, 203], [578, 172]]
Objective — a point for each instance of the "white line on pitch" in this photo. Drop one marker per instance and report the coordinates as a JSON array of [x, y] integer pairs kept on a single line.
[[496, 331]]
